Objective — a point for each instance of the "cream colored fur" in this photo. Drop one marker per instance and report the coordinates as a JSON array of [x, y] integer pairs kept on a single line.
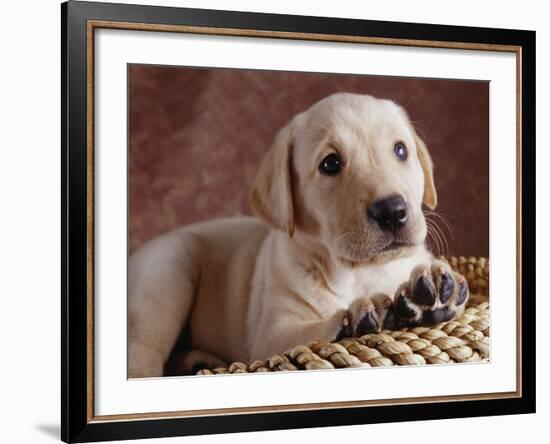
[[248, 288]]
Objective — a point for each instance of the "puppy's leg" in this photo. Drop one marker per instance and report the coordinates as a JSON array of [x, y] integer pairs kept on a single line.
[[433, 294], [279, 333], [162, 278]]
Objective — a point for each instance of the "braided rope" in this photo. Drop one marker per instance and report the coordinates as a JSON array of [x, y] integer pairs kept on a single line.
[[465, 339]]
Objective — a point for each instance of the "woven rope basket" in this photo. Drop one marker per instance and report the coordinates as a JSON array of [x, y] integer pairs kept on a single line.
[[465, 339]]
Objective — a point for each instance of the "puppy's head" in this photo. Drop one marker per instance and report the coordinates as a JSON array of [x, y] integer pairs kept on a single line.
[[352, 172]]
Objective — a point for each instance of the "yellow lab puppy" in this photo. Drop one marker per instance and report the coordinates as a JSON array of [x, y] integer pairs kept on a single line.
[[339, 250]]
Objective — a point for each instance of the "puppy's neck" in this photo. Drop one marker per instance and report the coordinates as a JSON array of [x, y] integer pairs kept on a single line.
[[346, 279], [317, 261]]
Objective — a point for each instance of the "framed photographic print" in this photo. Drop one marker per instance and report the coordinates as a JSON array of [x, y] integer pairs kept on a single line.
[[275, 221]]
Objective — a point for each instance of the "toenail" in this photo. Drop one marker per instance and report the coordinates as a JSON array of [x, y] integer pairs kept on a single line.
[[447, 287]]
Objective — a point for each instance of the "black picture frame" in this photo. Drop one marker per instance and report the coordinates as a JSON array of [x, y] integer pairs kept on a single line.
[[77, 425]]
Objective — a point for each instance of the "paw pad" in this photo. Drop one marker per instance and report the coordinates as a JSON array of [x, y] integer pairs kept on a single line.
[[432, 296], [367, 325], [434, 317], [346, 330], [446, 287], [424, 291], [462, 292], [404, 307]]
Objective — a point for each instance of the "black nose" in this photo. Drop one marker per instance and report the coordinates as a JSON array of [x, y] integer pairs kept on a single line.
[[390, 213]]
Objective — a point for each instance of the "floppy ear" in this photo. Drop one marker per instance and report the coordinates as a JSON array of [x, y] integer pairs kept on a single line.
[[271, 194], [430, 195]]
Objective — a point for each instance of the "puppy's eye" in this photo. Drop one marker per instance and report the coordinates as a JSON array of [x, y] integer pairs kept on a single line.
[[330, 165], [400, 151]]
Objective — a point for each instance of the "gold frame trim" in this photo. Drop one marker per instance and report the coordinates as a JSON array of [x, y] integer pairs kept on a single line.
[[96, 24]]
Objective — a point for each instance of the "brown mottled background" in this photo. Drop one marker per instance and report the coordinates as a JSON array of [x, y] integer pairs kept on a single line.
[[196, 137]]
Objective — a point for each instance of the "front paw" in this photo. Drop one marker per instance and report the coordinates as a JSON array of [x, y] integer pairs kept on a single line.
[[433, 295], [368, 315]]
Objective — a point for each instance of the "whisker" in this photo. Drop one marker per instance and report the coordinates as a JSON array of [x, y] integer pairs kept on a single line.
[[442, 218], [437, 235], [437, 240], [432, 241], [441, 227], [444, 242], [420, 128]]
